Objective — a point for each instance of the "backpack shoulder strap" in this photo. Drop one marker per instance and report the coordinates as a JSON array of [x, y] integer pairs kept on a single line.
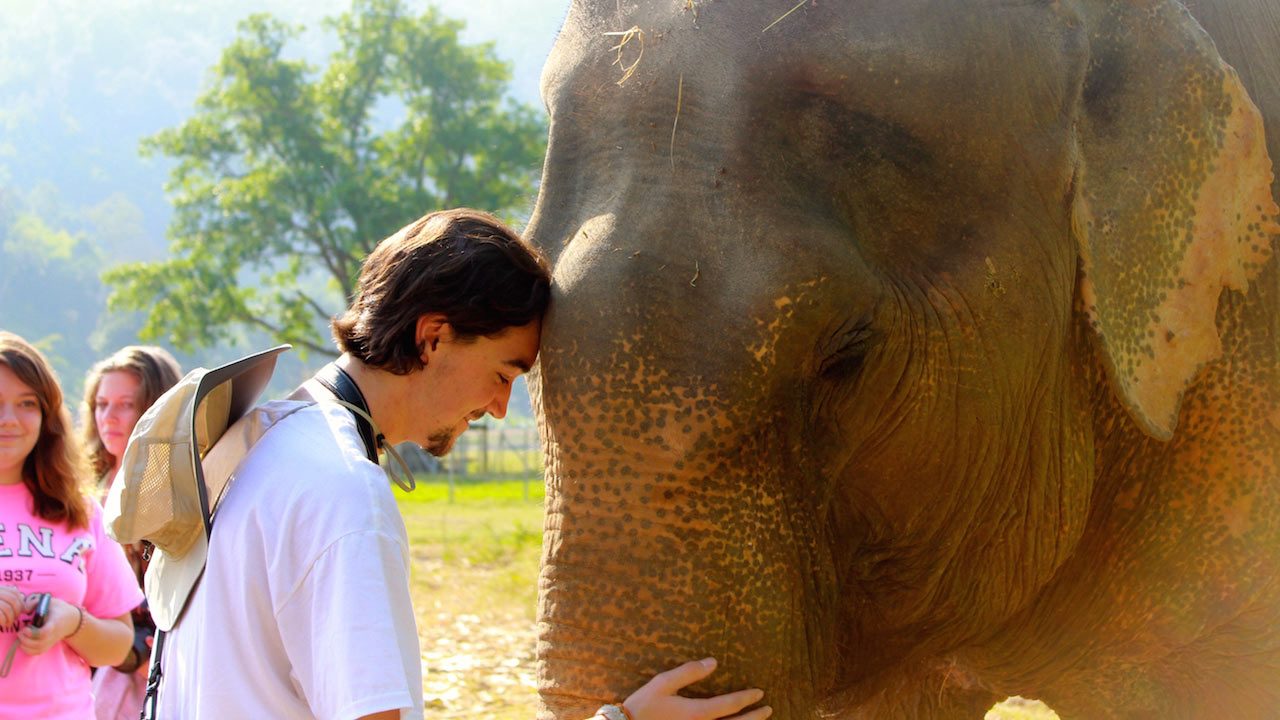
[[153, 677]]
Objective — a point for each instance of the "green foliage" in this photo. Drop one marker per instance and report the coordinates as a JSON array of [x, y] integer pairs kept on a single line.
[[286, 176], [32, 242], [49, 288]]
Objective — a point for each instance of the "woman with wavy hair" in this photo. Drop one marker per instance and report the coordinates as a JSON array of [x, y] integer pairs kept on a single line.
[[117, 391], [66, 590]]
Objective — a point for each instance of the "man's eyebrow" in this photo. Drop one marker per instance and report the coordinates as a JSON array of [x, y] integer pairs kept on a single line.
[[520, 365]]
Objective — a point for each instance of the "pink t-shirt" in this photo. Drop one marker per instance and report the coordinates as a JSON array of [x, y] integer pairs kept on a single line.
[[81, 567]]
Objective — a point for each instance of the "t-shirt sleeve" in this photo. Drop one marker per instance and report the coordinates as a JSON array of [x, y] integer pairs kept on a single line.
[[111, 588], [349, 630]]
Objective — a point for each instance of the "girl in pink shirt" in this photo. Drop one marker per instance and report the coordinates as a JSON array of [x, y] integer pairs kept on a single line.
[[52, 541]]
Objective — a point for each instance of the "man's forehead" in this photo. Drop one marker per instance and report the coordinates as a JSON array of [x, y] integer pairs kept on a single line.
[[520, 346]]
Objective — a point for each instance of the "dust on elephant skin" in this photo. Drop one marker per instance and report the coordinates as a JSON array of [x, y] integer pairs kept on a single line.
[[906, 355]]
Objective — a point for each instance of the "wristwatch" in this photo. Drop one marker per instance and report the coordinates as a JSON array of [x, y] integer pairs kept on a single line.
[[613, 712]]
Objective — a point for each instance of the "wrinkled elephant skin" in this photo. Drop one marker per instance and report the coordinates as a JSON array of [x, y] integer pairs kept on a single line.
[[908, 355]]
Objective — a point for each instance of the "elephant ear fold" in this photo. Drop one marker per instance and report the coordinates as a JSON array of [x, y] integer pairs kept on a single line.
[[1172, 200]]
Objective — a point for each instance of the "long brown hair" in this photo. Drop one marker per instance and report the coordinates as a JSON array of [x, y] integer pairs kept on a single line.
[[54, 471], [156, 371]]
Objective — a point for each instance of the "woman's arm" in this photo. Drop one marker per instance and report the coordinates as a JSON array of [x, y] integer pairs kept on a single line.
[[100, 641]]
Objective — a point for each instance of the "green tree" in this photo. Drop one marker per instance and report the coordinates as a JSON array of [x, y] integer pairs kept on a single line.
[[288, 174]]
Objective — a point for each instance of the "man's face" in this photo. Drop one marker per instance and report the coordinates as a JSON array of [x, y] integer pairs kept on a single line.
[[463, 380]]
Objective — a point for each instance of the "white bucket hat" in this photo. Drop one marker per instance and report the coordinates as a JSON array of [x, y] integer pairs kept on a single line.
[[164, 493]]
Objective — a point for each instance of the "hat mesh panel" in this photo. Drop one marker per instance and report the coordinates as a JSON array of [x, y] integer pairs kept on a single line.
[[161, 501]]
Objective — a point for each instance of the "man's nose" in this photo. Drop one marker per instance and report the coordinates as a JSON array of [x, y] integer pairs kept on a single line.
[[498, 408]]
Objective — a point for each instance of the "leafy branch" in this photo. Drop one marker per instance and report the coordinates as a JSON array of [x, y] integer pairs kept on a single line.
[[288, 174]]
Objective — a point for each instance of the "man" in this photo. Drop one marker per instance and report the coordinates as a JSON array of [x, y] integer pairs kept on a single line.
[[304, 607]]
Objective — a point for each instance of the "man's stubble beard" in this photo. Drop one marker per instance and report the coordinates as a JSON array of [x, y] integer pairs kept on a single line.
[[440, 442]]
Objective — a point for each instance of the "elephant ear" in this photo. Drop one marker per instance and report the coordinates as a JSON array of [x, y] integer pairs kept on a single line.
[[1172, 200]]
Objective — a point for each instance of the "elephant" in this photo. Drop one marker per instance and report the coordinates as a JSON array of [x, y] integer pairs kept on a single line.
[[906, 355]]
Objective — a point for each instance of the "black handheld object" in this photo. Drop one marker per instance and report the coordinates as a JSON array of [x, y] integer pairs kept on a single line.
[[42, 610]]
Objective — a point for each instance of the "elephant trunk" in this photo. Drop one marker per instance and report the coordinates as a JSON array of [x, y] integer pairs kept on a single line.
[[669, 538], [684, 516], [639, 579]]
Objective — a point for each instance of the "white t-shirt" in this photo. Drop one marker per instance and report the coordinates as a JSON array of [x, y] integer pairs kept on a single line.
[[304, 607]]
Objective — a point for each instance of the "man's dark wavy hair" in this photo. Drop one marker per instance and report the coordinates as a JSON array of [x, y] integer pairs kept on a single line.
[[464, 264]]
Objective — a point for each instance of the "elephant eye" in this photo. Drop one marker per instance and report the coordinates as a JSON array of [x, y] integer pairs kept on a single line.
[[851, 350], [861, 139]]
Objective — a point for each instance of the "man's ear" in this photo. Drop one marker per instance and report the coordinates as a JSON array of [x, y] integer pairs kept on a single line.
[[430, 329]]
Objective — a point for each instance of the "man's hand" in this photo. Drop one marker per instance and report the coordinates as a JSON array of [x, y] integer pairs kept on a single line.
[[658, 699]]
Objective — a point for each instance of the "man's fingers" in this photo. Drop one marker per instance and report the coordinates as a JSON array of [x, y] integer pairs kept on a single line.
[[726, 705], [759, 713], [676, 679]]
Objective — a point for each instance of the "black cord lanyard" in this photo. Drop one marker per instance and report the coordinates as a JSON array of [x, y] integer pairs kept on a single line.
[[337, 381]]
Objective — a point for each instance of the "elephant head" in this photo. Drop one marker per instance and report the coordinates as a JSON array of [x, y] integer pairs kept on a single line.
[[871, 319]]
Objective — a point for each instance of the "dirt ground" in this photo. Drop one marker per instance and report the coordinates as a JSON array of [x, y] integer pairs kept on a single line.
[[478, 666]]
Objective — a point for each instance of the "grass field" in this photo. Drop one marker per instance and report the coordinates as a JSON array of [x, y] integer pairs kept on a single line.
[[475, 567]]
